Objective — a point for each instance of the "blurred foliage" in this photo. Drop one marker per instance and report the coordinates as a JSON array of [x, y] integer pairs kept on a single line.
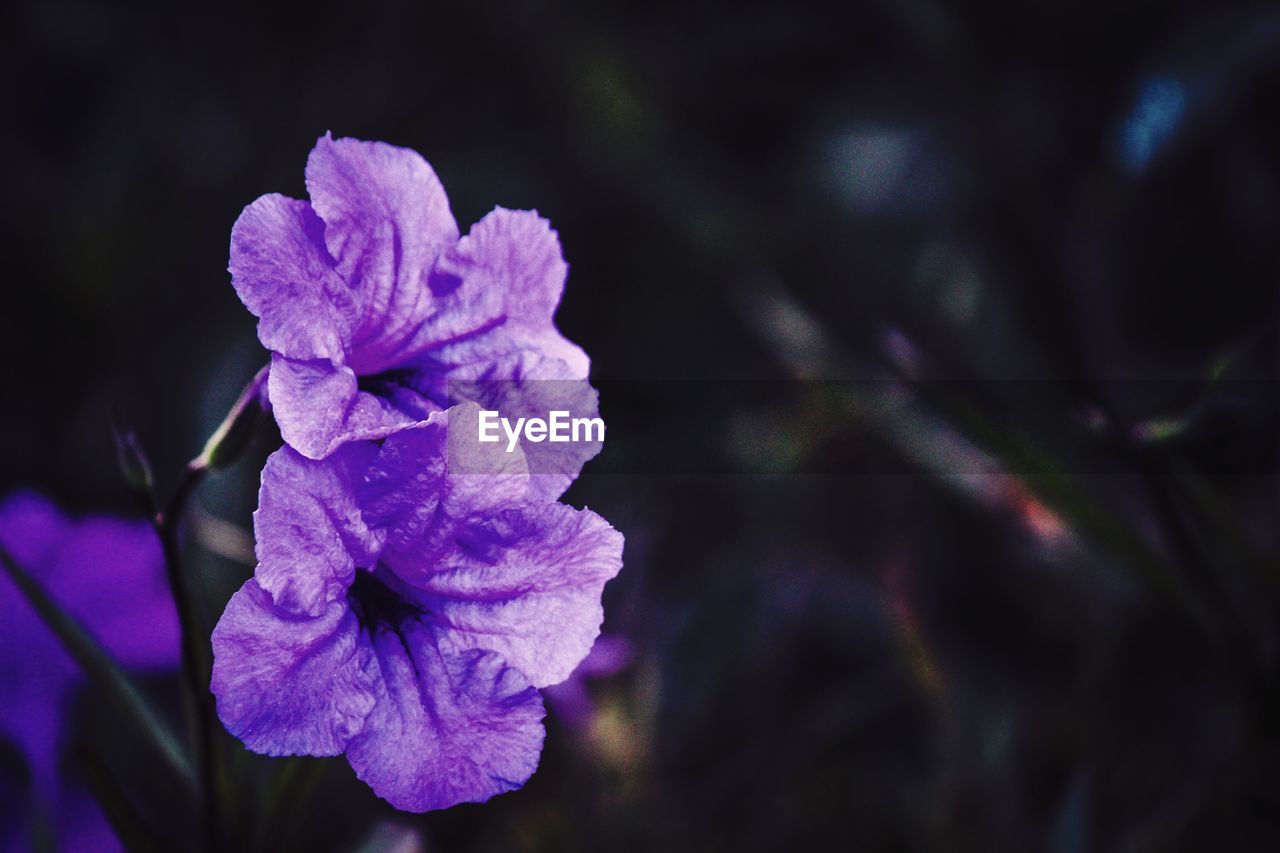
[[1054, 628]]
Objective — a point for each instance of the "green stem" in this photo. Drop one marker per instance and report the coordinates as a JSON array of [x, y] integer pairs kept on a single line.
[[195, 655], [221, 448]]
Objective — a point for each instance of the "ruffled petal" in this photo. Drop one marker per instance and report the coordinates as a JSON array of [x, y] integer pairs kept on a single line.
[[320, 407], [450, 725], [284, 275], [288, 684], [427, 480], [310, 531], [386, 220], [530, 384], [516, 255], [500, 566], [524, 582], [499, 287]]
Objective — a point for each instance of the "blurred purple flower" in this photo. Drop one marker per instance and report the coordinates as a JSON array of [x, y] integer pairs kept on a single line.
[[109, 574], [406, 613], [376, 312], [570, 699]]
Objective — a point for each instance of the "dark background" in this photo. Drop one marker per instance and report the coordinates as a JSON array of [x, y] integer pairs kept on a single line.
[[913, 613]]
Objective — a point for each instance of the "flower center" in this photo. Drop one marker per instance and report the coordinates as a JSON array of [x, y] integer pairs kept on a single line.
[[403, 388], [375, 603]]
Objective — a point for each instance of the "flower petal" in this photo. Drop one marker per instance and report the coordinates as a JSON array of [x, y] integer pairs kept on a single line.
[[504, 281], [309, 529], [524, 582], [31, 528], [450, 725], [501, 566], [425, 481], [529, 384], [291, 685], [516, 254], [386, 220], [283, 274], [319, 406], [81, 824], [109, 573]]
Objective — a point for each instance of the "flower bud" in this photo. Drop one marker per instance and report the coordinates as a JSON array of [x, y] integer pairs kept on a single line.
[[233, 434], [130, 456]]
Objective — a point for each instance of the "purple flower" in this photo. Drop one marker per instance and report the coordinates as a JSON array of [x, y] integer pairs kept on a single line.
[[108, 573], [406, 613], [378, 315]]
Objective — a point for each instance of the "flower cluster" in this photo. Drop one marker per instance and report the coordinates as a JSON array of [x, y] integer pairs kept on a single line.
[[413, 592], [109, 574]]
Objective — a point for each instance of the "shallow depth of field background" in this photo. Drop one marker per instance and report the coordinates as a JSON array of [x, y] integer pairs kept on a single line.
[[914, 613]]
